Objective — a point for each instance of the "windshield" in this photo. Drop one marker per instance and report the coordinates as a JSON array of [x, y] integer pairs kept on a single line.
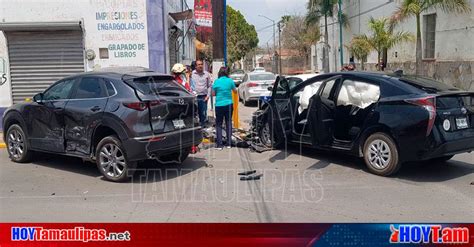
[[262, 77], [157, 85], [238, 72]]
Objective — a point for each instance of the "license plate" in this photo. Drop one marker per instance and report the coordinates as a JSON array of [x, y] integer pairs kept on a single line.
[[179, 124], [461, 123]]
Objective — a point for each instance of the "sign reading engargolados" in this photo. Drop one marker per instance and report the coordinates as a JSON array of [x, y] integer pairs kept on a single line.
[[203, 13]]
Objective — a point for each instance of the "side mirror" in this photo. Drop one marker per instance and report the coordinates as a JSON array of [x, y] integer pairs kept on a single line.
[[38, 98], [270, 89]]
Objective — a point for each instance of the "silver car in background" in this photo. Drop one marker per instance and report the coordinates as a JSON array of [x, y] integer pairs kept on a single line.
[[237, 75], [255, 85]]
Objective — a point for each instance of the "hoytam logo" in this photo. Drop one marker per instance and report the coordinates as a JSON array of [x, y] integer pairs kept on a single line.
[[435, 234], [76, 234]]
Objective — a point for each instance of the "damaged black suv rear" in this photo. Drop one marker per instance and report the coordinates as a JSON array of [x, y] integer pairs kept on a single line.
[[114, 118]]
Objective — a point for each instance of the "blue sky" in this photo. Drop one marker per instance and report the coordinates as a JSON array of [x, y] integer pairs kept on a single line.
[[273, 9]]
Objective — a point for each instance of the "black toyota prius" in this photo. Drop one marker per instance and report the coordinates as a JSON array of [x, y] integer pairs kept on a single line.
[[386, 119]]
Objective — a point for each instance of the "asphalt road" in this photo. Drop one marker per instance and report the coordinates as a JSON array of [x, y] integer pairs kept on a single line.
[[297, 186]]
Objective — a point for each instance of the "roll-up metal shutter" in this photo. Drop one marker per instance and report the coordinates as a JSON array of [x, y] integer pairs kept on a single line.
[[40, 58]]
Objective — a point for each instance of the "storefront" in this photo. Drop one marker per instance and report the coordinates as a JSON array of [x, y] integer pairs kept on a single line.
[[43, 41]]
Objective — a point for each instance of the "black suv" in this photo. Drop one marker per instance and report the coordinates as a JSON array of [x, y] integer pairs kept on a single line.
[[114, 118]]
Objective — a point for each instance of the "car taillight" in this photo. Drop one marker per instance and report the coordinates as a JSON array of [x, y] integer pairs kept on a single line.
[[429, 103], [141, 106], [252, 84]]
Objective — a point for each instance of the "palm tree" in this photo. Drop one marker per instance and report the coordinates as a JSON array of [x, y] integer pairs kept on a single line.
[[409, 8], [324, 8], [383, 37], [360, 49]]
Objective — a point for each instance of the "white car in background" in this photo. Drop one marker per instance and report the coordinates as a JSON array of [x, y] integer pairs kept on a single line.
[[259, 69], [255, 85]]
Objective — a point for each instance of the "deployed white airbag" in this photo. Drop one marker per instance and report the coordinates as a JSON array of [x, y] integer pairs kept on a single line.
[[360, 94], [308, 92]]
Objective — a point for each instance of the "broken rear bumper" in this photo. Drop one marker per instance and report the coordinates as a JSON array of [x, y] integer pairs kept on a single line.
[[149, 147]]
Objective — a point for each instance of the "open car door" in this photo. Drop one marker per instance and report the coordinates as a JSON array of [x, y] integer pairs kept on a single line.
[[322, 112], [280, 115]]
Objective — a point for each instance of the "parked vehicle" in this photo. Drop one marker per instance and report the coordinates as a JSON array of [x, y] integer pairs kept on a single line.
[[255, 85], [237, 76], [258, 69], [386, 119], [112, 118]]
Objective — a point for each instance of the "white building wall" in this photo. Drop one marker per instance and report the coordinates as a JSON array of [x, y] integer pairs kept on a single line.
[[93, 14], [454, 32], [5, 95]]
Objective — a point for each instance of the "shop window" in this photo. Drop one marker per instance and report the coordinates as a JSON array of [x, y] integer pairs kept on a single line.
[[104, 53]]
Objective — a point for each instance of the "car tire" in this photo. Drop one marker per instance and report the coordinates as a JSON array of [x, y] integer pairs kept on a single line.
[[112, 161], [381, 154], [441, 159], [267, 136], [176, 158], [17, 145]]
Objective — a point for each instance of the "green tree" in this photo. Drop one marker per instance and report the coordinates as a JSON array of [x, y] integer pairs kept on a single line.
[[360, 48], [297, 35], [409, 8], [383, 37], [324, 8], [241, 36]]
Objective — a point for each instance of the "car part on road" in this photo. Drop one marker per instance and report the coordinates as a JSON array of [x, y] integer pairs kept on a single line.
[[246, 173], [112, 160], [381, 154], [249, 178], [18, 148]]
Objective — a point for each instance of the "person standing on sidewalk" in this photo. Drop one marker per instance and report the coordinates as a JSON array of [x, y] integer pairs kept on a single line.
[[222, 89], [202, 83], [179, 74]]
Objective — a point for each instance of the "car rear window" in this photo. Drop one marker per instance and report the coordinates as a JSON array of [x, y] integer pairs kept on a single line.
[[156, 85], [262, 77], [451, 102], [427, 84], [240, 72]]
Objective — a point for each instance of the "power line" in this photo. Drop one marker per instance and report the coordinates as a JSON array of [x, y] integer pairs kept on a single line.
[[263, 28], [363, 12]]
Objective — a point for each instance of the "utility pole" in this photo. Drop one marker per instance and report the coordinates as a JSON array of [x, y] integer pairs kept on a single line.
[[279, 48], [274, 40], [341, 47]]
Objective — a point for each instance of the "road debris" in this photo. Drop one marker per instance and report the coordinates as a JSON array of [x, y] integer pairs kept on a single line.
[[249, 178], [246, 173]]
